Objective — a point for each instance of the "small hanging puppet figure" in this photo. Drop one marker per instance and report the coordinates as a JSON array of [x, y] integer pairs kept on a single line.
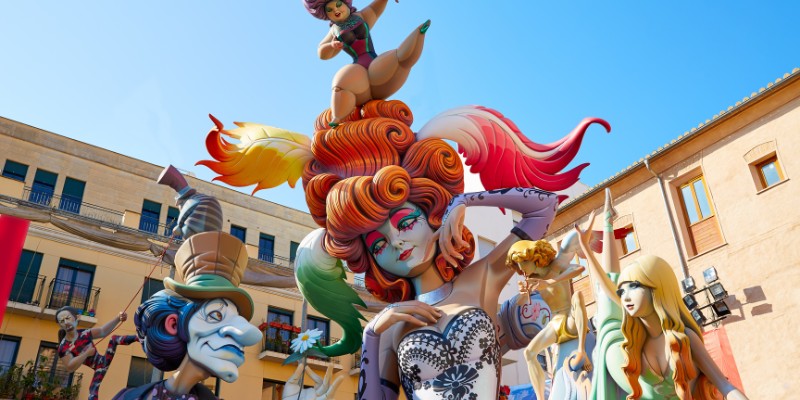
[[76, 346], [550, 274]]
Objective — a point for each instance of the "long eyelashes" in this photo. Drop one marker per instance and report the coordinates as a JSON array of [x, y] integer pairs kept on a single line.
[[409, 221], [631, 286], [377, 246]]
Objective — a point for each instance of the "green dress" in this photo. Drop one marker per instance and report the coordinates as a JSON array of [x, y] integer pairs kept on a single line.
[[608, 380]]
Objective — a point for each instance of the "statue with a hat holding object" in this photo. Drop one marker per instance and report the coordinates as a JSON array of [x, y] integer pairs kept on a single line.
[[199, 324]]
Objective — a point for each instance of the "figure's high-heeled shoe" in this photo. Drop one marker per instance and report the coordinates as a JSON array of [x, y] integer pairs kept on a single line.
[[424, 27]]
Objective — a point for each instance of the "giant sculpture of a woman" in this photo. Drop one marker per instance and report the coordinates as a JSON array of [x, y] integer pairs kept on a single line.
[[391, 204]]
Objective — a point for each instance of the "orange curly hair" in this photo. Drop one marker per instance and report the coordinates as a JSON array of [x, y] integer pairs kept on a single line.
[[365, 168]]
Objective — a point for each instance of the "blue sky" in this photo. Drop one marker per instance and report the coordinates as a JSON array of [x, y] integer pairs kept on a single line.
[[139, 78]]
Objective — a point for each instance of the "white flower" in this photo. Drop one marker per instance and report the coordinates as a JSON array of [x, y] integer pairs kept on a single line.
[[305, 340]]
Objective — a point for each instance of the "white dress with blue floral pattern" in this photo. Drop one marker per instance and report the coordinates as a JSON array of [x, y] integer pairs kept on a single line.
[[463, 362]]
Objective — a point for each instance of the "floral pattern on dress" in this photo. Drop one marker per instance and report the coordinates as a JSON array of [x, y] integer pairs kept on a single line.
[[451, 363], [456, 382]]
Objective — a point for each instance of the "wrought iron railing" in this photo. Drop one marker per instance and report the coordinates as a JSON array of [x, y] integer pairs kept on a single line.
[[273, 340], [29, 382], [278, 340], [66, 293], [71, 205], [275, 261], [28, 288], [152, 226]]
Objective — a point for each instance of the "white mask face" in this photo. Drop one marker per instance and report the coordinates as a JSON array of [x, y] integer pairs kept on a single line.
[[218, 336]]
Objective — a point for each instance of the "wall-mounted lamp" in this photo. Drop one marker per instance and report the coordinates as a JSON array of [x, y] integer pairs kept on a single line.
[[710, 275], [688, 285], [690, 301]]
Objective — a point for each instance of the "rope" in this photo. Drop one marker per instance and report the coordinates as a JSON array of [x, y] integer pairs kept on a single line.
[[156, 264]]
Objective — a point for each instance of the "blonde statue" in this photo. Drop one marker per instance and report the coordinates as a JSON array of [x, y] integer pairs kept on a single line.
[[648, 345], [550, 274]]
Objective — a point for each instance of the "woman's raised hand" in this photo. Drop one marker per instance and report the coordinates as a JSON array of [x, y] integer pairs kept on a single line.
[[450, 232], [123, 316], [336, 44], [585, 235], [413, 312]]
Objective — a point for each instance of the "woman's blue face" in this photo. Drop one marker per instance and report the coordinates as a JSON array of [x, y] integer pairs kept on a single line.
[[404, 244]]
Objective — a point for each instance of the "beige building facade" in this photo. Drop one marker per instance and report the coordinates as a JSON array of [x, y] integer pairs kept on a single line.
[[68, 188], [729, 186]]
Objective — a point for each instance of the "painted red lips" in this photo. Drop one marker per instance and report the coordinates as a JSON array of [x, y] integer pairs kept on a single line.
[[405, 255]]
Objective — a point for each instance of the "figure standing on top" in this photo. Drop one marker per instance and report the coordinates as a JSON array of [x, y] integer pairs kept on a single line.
[[371, 76]]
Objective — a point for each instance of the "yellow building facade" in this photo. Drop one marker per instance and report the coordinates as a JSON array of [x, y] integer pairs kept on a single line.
[[70, 189], [729, 187]]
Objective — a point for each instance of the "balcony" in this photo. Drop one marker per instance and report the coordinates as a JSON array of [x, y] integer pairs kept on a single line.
[[84, 298], [273, 261], [26, 294], [276, 346], [29, 382], [70, 206]]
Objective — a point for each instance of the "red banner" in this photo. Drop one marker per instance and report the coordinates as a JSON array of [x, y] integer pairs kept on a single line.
[[719, 348], [12, 237]]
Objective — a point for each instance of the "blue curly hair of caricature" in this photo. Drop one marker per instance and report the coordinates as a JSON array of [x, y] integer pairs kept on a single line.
[[164, 350]]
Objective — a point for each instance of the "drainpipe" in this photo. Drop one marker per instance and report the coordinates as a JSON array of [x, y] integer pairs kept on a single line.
[[675, 238]]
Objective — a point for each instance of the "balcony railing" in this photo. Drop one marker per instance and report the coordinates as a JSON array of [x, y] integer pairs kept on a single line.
[[71, 205], [275, 261], [28, 288], [27, 382], [274, 339], [151, 225], [65, 293]]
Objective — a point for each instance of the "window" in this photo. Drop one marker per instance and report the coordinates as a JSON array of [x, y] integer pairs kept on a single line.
[[73, 285], [151, 287], [27, 277], [172, 220], [47, 362], [272, 390], [764, 165], [695, 200], [151, 213], [72, 195], [9, 346], [142, 372], [239, 232], [280, 316], [266, 247], [16, 171], [44, 185], [629, 242], [769, 172], [699, 220], [293, 246], [322, 325]]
